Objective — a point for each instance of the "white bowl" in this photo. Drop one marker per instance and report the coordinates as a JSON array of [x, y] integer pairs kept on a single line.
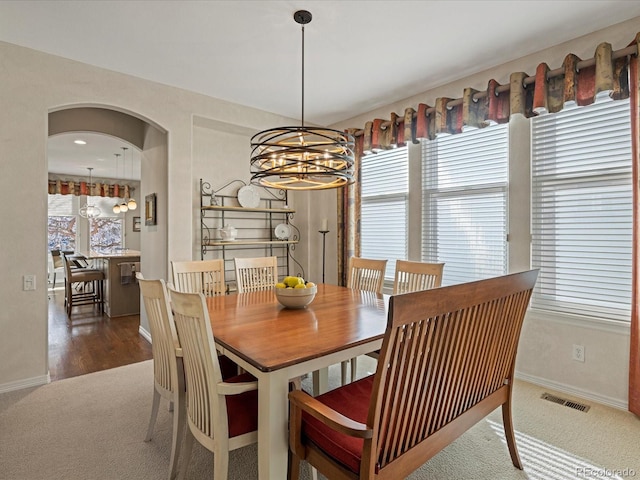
[[296, 297]]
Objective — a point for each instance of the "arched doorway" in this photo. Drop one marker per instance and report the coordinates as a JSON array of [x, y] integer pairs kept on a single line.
[[151, 140]]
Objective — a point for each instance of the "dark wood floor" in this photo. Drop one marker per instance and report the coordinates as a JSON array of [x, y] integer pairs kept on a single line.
[[91, 341]]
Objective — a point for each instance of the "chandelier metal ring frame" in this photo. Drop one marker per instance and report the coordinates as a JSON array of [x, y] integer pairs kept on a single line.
[[302, 158]]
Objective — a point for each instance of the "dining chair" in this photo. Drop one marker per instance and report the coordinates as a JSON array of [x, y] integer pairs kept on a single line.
[[414, 276], [168, 371], [222, 414], [206, 276], [368, 275], [254, 274], [89, 283], [428, 388], [57, 264]]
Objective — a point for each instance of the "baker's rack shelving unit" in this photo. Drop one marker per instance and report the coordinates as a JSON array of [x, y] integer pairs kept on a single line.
[[256, 237]]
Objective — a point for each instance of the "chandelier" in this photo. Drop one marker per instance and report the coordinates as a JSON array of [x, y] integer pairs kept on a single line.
[[302, 158], [88, 210]]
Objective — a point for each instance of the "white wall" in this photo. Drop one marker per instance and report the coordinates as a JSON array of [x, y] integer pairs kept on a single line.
[[33, 84], [230, 149], [545, 348]]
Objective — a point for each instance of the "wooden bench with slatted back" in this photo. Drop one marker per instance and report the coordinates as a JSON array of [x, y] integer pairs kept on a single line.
[[447, 361]]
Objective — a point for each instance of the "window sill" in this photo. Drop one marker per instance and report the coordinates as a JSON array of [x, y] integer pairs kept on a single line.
[[593, 323]]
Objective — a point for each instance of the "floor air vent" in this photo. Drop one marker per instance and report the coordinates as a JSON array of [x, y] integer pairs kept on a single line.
[[565, 402]]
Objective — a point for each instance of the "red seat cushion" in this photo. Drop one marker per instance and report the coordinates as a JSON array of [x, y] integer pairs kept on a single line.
[[242, 409], [351, 400]]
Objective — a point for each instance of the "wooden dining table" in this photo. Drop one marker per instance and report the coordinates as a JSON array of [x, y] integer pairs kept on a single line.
[[276, 344]]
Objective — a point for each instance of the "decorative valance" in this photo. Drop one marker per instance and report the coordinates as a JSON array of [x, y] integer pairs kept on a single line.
[[576, 81], [81, 187]]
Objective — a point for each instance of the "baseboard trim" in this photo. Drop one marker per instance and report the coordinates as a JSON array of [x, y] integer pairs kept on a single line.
[[145, 334], [575, 391], [25, 383]]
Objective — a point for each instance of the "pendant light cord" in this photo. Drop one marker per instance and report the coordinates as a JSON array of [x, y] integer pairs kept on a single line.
[[302, 119]]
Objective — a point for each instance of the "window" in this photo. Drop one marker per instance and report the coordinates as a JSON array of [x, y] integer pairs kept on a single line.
[[62, 224], [105, 232], [385, 190], [465, 179], [582, 210], [62, 232]]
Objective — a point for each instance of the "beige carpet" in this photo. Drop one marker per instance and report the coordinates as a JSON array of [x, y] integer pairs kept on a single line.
[[91, 427]]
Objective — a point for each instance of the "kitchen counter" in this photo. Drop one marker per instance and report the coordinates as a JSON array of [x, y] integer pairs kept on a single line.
[[122, 293], [113, 254]]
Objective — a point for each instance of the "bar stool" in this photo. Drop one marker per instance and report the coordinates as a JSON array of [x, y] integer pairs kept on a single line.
[[91, 291]]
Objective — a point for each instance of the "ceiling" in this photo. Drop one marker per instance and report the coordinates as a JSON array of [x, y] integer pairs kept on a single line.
[[249, 52], [68, 158]]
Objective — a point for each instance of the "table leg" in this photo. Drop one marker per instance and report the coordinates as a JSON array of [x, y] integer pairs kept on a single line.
[[320, 381], [273, 435]]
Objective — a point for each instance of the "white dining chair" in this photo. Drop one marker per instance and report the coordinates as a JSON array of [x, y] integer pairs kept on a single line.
[[368, 275], [416, 276], [168, 371], [254, 274], [206, 276], [222, 415]]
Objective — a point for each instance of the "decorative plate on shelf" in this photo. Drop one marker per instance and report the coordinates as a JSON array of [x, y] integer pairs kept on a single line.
[[248, 197], [282, 231]]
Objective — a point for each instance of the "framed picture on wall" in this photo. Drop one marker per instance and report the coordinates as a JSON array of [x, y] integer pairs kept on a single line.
[[150, 209], [136, 224]]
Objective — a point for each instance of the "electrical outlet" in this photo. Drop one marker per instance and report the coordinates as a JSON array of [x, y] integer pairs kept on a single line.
[[28, 282], [578, 353]]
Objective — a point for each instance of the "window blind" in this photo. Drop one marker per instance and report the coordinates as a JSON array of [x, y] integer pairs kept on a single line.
[[59, 205], [465, 178], [582, 210], [383, 223]]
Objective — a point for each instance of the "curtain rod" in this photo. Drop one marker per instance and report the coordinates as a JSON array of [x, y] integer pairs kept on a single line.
[[631, 50]]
